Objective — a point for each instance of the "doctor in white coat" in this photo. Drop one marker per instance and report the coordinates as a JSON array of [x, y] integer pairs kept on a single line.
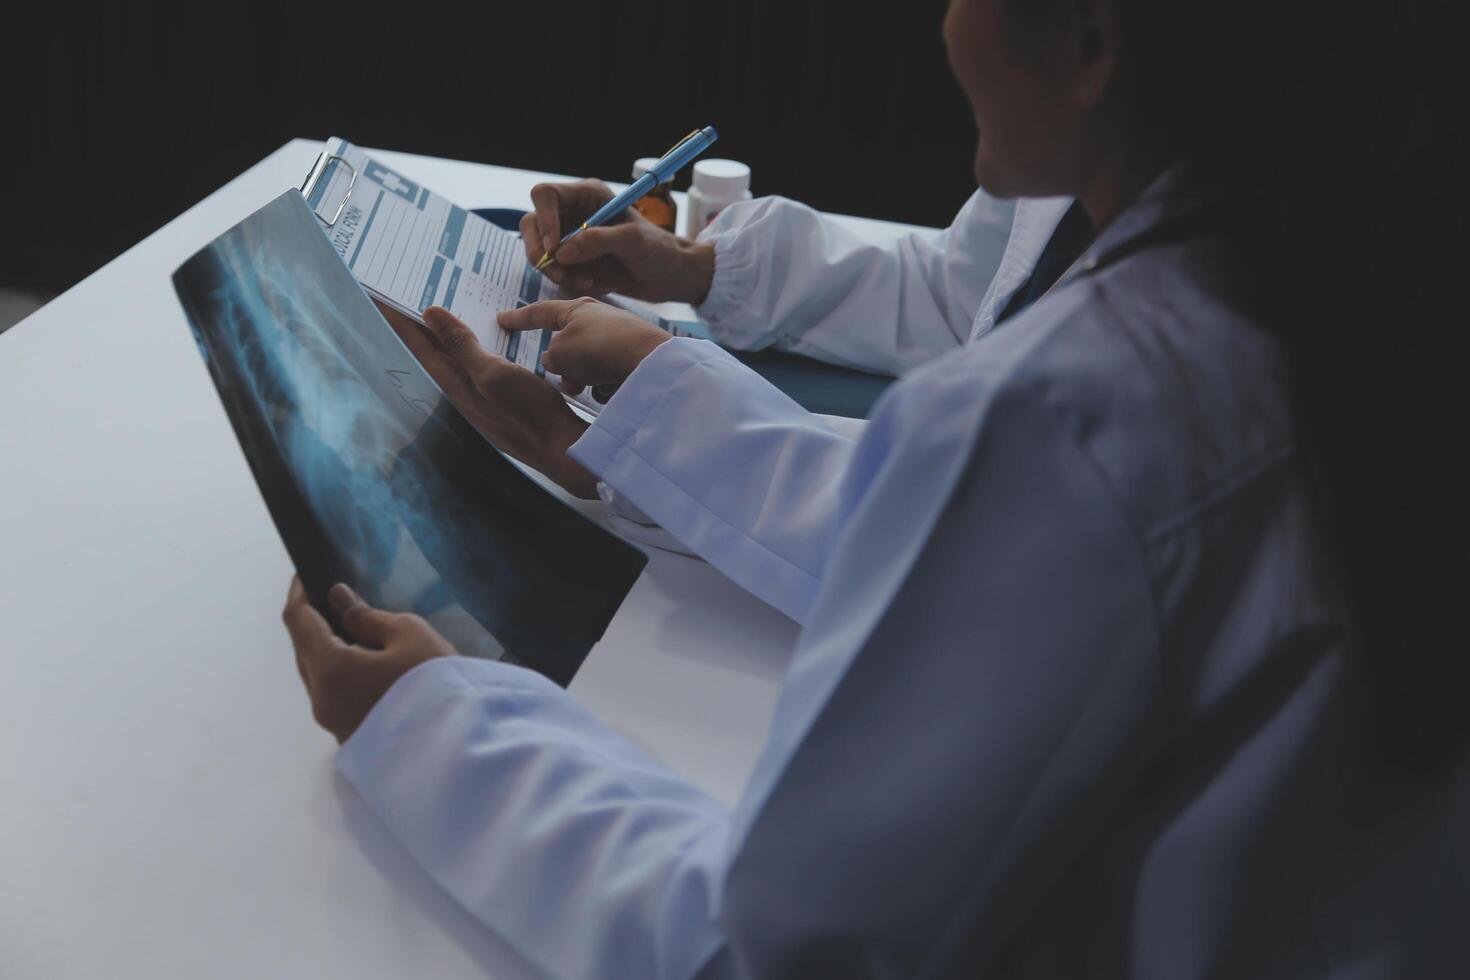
[[775, 273], [1099, 671]]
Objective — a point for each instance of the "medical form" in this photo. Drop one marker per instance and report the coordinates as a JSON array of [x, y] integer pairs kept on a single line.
[[412, 249]]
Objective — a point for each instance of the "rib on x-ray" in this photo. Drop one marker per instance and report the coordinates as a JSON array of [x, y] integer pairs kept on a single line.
[[371, 475]]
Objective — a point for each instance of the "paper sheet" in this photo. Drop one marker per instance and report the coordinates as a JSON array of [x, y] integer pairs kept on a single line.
[[413, 249]]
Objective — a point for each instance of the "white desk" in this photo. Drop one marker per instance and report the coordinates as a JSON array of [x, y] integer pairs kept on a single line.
[[167, 807]]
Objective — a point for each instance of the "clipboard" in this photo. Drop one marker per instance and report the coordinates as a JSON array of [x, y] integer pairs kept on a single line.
[[410, 248], [318, 171], [449, 256]]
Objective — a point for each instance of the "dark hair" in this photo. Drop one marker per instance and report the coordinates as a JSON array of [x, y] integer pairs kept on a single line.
[[1340, 128]]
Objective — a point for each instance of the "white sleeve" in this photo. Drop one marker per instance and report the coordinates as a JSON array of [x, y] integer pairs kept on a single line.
[[730, 466], [590, 857], [623, 517], [789, 277]]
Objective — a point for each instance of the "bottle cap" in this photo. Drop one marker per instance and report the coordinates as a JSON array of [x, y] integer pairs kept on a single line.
[[643, 165], [722, 178]]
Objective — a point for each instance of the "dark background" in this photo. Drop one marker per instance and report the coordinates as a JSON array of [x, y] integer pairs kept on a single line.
[[122, 117]]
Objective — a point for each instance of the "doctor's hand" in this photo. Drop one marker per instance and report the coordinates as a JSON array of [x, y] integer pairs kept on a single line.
[[521, 414], [594, 345], [345, 679], [629, 255]]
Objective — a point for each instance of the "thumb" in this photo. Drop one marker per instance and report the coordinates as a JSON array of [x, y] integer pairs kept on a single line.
[[618, 241], [363, 623], [457, 341]]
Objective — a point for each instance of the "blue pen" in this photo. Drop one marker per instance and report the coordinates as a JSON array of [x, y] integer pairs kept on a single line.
[[673, 161]]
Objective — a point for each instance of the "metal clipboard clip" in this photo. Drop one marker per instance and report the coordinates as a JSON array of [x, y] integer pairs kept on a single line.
[[318, 173]]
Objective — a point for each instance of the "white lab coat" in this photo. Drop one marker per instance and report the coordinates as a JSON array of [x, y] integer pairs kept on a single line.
[[790, 278], [1071, 697]]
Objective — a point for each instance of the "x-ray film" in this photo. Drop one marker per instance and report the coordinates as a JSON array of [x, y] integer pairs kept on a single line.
[[371, 475]]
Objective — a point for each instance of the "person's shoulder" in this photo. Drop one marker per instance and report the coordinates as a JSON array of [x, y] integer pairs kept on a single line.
[[1155, 367]]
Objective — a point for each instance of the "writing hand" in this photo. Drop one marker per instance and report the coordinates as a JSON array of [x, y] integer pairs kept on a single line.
[[628, 255]]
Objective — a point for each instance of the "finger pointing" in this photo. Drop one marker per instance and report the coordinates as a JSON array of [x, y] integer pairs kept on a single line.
[[547, 315]]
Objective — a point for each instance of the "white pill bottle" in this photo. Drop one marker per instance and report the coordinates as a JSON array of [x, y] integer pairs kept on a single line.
[[717, 185]]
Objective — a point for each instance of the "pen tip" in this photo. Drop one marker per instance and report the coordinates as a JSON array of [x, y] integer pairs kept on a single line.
[[545, 261]]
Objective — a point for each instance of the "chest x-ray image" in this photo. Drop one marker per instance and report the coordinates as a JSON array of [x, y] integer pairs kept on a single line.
[[371, 475]]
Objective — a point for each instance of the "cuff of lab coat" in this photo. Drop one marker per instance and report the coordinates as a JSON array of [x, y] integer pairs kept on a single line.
[[415, 698], [626, 520], [629, 447], [621, 507], [637, 400], [735, 274]]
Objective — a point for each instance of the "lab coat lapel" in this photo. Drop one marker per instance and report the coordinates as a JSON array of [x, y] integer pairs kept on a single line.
[[1035, 221]]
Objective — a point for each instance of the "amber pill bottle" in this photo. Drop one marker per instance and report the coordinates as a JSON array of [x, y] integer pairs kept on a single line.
[[658, 204]]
